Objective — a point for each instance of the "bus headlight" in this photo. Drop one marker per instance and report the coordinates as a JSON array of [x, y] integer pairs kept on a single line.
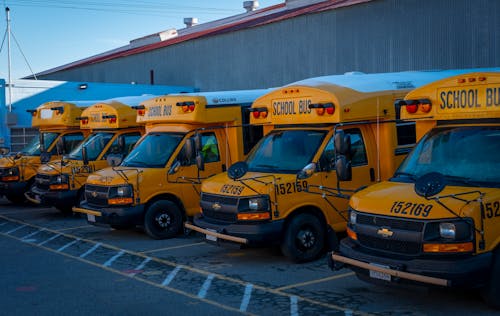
[[121, 195], [9, 174], [447, 230], [257, 204], [353, 216], [59, 182]]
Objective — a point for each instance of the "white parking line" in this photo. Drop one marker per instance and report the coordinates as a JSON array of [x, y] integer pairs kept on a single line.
[[68, 245], [50, 239], [171, 276], [294, 308], [110, 261], [15, 229], [206, 285], [91, 250], [32, 234], [140, 266], [246, 297]]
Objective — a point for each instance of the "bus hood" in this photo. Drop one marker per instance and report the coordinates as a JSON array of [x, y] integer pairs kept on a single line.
[[251, 184], [111, 176], [400, 200], [58, 167], [7, 163]]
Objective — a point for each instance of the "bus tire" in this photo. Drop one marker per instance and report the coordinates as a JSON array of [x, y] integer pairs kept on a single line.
[[304, 238], [163, 220], [491, 290]]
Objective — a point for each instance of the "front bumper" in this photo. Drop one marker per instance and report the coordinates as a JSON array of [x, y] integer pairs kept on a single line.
[[252, 233], [125, 215], [460, 272], [14, 188], [52, 198]]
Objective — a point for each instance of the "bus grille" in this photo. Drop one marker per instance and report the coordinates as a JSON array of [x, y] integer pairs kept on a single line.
[[410, 232], [96, 195], [42, 182]]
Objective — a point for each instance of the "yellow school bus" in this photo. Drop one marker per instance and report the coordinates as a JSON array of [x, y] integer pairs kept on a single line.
[[114, 131], [57, 123], [436, 221], [189, 138], [286, 192]]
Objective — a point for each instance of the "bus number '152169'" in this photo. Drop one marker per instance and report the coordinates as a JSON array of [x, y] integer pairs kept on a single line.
[[290, 187]]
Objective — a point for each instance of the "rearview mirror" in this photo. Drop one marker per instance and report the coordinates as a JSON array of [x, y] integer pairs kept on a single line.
[[200, 163], [343, 168], [41, 140], [60, 145], [197, 142]]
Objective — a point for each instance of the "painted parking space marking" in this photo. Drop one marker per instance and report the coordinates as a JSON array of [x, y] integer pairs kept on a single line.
[[171, 276], [212, 288], [68, 245], [112, 259], [294, 309], [335, 277], [49, 240], [246, 297], [174, 247], [91, 250], [206, 285], [77, 227], [15, 229], [32, 234]]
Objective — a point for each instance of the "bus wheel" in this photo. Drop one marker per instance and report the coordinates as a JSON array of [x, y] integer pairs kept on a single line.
[[491, 290], [163, 220], [304, 238]]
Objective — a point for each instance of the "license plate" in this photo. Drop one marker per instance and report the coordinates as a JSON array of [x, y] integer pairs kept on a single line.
[[211, 237], [380, 275], [91, 218]]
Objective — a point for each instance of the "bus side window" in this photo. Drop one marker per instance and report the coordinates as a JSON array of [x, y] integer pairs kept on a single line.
[[209, 147], [358, 149]]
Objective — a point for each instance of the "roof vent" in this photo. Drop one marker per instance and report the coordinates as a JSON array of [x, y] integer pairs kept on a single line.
[[190, 21], [154, 38], [250, 5]]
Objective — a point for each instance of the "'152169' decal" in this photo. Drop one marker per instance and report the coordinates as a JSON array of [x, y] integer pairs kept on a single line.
[[408, 208]]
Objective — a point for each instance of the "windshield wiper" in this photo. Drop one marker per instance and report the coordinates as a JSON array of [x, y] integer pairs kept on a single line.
[[266, 166]]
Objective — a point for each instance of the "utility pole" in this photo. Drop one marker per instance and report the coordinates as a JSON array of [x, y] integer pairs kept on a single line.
[[7, 12]]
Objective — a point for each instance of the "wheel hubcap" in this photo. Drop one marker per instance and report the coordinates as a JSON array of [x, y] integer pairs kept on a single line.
[[306, 238], [163, 220]]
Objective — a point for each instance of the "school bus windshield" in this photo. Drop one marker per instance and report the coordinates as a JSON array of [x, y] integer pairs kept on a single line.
[[464, 155], [33, 147], [153, 151], [95, 144], [285, 151]]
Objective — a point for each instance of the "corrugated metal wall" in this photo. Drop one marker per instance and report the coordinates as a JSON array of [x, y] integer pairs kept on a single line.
[[379, 36]]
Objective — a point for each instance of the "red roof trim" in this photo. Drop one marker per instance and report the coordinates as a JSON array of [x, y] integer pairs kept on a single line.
[[231, 27]]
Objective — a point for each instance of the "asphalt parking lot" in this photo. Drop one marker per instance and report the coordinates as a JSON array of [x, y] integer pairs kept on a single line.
[[250, 281]]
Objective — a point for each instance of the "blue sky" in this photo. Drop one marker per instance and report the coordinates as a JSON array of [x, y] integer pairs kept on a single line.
[[51, 33]]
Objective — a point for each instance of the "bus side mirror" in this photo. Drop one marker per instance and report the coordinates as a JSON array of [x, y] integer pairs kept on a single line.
[[4, 151], [200, 162], [85, 158], [41, 140], [121, 144], [45, 157], [188, 149], [197, 142], [307, 171], [114, 159], [60, 145], [343, 168], [343, 165]]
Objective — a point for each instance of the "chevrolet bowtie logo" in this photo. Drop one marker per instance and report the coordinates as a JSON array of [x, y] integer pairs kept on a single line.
[[216, 206], [94, 194], [385, 232]]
